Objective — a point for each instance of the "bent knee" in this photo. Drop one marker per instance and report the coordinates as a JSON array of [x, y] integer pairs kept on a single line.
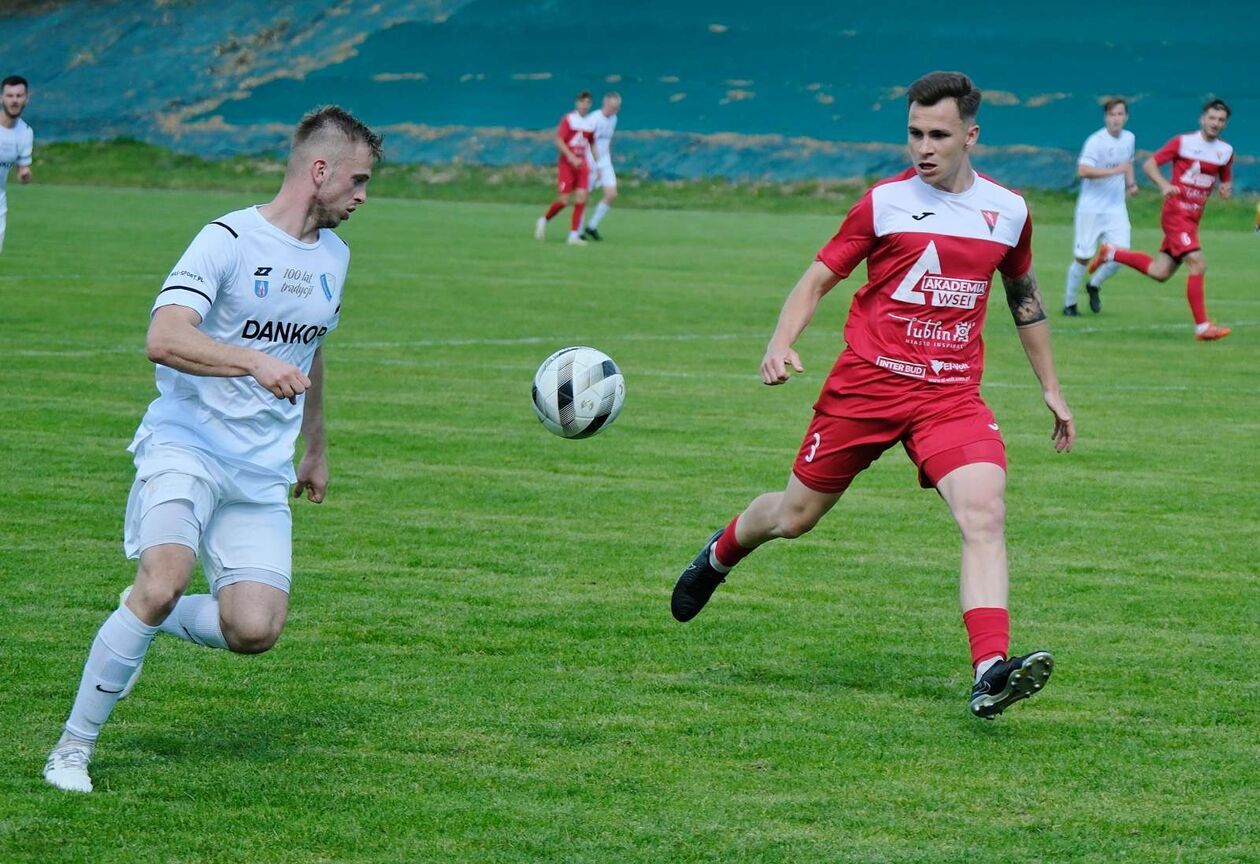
[[793, 525], [252, 637]]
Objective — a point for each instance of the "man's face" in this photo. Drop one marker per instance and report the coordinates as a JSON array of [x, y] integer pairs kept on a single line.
[[583, 106], [344, 185], [938, 139], [14, 97], [611, 106], [1212, 123], [1116, 117]]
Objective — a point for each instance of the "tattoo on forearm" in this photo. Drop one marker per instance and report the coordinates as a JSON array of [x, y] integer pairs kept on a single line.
[[1024, 299]]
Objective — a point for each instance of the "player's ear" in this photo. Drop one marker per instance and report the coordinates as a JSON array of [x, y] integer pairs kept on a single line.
[[973, 135], [319, 172]]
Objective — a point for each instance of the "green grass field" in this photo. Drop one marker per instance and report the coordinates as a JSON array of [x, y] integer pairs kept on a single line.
[[480, 664]]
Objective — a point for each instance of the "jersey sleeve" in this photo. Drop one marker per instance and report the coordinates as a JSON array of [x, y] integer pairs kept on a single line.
[[25, 150], [853, 242], [1227, 170], [564, 131], [1168, 152], [207, 265], [1018, 260], [1089, 153]]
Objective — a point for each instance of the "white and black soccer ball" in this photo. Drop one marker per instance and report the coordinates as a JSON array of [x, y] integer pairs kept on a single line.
[[578, 391]]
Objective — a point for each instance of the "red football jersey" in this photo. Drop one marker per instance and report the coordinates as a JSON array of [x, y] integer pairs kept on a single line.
[[1197, 164], [930, 258], [576, 131]]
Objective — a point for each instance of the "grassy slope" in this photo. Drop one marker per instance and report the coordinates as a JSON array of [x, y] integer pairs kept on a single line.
[[480, 665]]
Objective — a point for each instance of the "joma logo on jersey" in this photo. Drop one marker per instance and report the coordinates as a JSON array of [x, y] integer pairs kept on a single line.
[[282, 331]]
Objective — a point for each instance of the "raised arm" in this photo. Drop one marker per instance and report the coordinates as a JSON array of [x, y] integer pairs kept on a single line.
[[1024, 298], [796, 314], [312, 474], [174, 340]]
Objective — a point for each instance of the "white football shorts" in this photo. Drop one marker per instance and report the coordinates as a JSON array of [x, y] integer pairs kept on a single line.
[[1095, 228], [239, 539], [603, 175]]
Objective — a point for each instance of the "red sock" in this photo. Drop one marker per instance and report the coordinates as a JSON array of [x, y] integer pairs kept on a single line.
[[556, 207], [727, 549], [576, 222], [1194, 293], [1139, 261], [989, 631]]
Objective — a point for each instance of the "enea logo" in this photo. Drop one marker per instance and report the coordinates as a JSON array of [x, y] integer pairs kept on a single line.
[[328, 282]]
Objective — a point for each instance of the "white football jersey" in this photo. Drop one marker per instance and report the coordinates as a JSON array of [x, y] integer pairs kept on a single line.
[[16, 145], [604, 128], [1102, 150], [256, 286]]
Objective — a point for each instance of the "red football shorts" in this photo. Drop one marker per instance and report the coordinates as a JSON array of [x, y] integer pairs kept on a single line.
[[569, 178], [941, 427], [1181, 234]]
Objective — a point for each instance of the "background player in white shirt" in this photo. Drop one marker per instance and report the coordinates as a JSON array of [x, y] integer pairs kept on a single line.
[[602, 173], [1105, 167], [16, 140], [236, 332]]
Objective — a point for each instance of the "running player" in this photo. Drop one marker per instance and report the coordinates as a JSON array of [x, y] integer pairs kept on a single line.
[[603, 175], [16, 140], [932, 237], [237, 333], [1199, 160], [574, 137], [1106, 171]]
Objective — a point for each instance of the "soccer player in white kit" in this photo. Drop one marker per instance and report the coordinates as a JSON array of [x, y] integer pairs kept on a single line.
[[1105, 167], [236, 333], [602, 173], [16, 140]]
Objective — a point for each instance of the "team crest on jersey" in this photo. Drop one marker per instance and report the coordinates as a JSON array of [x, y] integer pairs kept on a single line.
[[990, 218], [261, 286], [328, 282]]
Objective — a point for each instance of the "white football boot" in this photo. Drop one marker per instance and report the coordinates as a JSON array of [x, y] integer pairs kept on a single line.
[[67, 767]]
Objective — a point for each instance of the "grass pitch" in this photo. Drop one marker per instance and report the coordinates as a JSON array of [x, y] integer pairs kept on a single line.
[[480, 664]]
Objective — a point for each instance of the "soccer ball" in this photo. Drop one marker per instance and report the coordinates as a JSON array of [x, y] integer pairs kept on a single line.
[[577, 392]]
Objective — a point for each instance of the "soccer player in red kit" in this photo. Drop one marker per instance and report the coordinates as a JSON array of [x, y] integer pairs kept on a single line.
[[932, 237], [1199, 160], [574, 136]]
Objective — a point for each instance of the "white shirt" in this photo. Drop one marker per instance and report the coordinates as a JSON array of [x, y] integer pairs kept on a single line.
[[15, 149], [604, 128], [256, 286], [1103, 150]]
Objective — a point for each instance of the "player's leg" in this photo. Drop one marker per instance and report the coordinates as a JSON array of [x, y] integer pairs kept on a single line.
[[579, 207], [1204, 329], [1117, 233], [1085, 240], [253, 613], [4, 217], [608, 183], [834, 451], [165, 518], [565, 179]]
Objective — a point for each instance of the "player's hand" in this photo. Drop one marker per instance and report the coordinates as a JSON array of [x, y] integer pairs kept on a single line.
[[312, 478], [1227, 189], [1064, 434], [283, 380], [774, 366], [24, 173], [1167, 189], [575, 160], [1132, 189]]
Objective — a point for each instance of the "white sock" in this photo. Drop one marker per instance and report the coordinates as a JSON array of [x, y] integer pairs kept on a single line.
[[573, 235], [601, 210], [1200, 328], [985, 665], [117, 650], [195, 619], [715, 563], [1103, 273], [1075, 274]]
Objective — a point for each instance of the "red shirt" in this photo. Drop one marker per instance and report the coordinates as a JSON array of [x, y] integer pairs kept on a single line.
[[1197, 164], [930, 258], [576, 131]]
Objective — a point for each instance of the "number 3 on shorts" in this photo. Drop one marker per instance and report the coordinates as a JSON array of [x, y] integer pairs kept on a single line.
[[813, 448]]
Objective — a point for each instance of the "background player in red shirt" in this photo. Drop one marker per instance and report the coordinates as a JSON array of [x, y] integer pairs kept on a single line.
[[574, 136], [932, 237], [1199, 160]]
